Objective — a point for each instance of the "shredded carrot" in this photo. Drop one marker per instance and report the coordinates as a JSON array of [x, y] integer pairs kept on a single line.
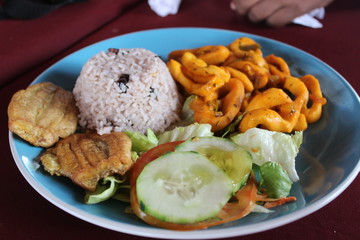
[[273, 202]]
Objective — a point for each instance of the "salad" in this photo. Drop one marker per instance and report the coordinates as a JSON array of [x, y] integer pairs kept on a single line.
[[216, 165], [188, 178]]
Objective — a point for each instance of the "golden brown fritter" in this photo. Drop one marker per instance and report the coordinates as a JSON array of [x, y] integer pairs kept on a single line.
[[43, 113], [88, 157]]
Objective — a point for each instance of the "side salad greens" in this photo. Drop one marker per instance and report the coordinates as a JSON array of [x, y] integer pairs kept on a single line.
[[187, 175], [265, 145]]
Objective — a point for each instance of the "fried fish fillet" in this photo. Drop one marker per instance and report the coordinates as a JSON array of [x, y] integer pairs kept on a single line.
[[88, 157], [43, 113]]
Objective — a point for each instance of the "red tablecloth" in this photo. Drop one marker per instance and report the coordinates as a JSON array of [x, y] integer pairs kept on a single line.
[[28, 47]]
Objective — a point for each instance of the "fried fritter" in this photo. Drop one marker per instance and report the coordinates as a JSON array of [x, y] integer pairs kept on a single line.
[[43, 113], [88, 157]]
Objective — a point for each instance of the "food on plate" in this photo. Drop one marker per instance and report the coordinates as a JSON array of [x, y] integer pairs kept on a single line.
[[172, 185], [277, 187], [268, 96], [42, 113], [210, 54], [229, 149], [234, 160], [208, 112], [270, 146], [183, 187], [127, 89], [108, 188], [88, 157], [185, 133]]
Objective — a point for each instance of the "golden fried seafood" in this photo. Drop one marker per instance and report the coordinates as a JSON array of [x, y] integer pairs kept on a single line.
[[88, 157], [221, 113], [247, 49], [288, 111], [42, 113], [313, 113], [273, 99], [212, 55], [259, 76], [208, 89], [278, 67]]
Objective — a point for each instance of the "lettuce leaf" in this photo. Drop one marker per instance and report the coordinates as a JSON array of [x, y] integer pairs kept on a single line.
[[187, 112], [185, 133], [141, 142], [104, 190], [266, 146], [274, 180]]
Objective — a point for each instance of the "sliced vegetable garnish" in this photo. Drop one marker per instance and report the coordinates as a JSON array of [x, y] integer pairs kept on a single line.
[[274, 202], [234, 160], [244, 204], [183, 187]]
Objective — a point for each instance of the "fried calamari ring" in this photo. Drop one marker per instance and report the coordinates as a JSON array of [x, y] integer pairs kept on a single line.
[[278, 66], [291, 111], [301, 123], [270, 98], [220, 115], [266, 118], [314, 112], [259, 76], [212, 55], [247, 49], [206, 90], [273, 98], [199, 71], [287, 115], [249, 87], [278, 69]]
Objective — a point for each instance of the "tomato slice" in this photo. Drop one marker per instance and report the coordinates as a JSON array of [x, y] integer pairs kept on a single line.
[[245, 203]]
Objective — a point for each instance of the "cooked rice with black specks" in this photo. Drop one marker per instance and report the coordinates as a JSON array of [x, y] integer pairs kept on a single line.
[[129, 89]]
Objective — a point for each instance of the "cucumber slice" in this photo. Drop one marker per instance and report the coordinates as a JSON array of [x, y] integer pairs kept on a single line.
[[182, 187], [233, 159]]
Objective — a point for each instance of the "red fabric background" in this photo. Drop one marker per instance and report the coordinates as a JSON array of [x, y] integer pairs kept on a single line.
[[28, 47], [25, 44]]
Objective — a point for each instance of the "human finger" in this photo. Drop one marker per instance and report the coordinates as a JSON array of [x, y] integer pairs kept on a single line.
[[242, 6], [264, 9], [283, 16], [291, 9]]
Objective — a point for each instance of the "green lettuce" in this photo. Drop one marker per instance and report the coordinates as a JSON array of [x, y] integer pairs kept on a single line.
[[141, 142], [187, 112], [104, 190], [266, 146], [274, 180], [185, 133]]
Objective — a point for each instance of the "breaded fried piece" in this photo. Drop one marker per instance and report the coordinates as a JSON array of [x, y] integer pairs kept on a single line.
[[43, 113], [88, 157]]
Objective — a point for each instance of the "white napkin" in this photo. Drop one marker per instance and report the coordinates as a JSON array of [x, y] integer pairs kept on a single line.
[[164, 7], [309, 19]]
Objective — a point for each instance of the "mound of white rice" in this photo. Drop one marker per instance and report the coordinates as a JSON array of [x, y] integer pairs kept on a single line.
[[127, 89]]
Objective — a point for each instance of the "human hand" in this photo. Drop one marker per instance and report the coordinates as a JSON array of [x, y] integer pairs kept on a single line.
[[276, 13]]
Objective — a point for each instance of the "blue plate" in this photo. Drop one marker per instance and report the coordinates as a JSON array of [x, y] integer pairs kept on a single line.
[[327, 163]]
